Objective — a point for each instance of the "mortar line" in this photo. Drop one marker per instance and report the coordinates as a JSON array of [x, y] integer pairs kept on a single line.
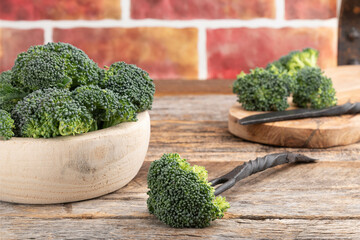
[[209, 24], [48, 34], [202, 54], [125, 10], [280, 10]]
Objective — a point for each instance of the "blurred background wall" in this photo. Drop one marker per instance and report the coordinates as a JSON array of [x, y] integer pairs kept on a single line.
[[174, 39]]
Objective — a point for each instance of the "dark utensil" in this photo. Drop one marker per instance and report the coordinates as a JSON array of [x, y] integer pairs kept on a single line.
[[254, 166], [347, 108]]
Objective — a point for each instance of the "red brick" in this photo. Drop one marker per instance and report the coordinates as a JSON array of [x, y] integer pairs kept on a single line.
[[166, 53], [310, 9], [231, 51], [205, 9], [15, 41], [59, 9]]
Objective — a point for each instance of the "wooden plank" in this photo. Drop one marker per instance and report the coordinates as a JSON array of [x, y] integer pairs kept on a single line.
[[319, 191], [192, 108], [312, 201], [224, 86], [27, 228], [195, 87], [197, 127], [211, 141]]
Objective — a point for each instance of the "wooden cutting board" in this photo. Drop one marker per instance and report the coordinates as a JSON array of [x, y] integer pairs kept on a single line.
[[311, 132]]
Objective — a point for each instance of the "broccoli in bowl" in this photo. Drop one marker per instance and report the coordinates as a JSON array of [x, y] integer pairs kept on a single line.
[[57, 90]]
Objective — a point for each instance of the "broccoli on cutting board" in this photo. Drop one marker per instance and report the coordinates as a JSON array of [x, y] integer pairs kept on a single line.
[[314, 89], [180, 194], [263, 90], [296, 74]]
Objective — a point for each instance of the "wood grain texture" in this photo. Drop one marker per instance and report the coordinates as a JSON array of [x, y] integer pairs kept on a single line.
[[284, 202], [211, 141], [294, 191], [310, 132], [108, 228], [193, 87], [310, 201], [196, 127]]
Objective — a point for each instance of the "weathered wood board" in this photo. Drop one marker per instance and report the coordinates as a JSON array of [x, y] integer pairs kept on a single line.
[[302, 201], [309, 201], [311, 132]]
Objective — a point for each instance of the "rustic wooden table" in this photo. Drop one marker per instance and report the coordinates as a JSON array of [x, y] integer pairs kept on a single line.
[[311, 201]]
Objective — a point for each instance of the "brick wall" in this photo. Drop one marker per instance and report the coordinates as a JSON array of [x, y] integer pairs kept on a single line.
[[173, 39]]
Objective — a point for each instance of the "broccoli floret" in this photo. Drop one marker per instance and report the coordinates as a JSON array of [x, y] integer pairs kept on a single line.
[[294, 61], [298, 60], [180, 194], [6, 125], [107, 107], [277, 67], [236, 84], [132, 82], [9, 94], [49, 113], [5, 77], [314, 90], [263, 90], [59, 65]]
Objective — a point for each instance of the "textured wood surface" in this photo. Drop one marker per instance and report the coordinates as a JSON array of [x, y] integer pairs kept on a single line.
[[310, 201], [193, 87], [310, 132]]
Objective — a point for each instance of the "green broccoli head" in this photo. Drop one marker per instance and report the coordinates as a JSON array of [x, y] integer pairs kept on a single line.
[[314, 90], [59, 65], [106, 107], [5, 77], [180, 194], [51, 112], [9, 94], [132, 82], [277, 67], [6, 125], [263, 90], [294, 61], [236, 84], [297, 60]]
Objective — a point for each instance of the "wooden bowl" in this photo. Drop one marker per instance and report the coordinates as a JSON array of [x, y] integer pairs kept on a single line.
[[72, 168]]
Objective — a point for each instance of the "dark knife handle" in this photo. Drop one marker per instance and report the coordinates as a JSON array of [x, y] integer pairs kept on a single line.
[[347, 108]]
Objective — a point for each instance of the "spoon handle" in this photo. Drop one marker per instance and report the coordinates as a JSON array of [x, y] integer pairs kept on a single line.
[[254, 166]]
